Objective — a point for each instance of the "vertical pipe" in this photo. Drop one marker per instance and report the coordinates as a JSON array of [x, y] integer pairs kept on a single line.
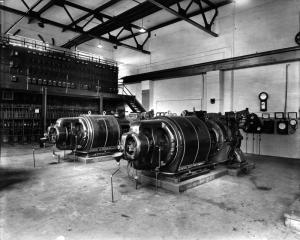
[[1, 19], [233, 55], [286, 87]]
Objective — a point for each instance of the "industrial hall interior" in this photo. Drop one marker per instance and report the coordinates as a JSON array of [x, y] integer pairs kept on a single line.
[[149, 119]]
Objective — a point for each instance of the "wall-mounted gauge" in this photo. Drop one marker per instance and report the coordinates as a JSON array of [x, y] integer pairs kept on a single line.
[[268, 123], [293, 122], [282, 127], [263, 97], [297, 38], [279, 115], [252, 124]]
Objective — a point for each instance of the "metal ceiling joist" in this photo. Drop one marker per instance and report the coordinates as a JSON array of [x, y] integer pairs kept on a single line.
[[140, 11], [279, 56], [46, 7], [97, 10], [43, 9], [19, 20], [167, 23], [179, 15], [96, 14], [25, 3], [34, 15]]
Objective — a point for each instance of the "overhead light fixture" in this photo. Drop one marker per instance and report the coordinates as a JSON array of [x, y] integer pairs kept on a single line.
[[41, 24], [142, 29], [17, 32], [241, 1], [99, 45]]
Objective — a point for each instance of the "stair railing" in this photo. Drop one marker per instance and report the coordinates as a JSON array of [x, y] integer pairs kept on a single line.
[[124, 89]]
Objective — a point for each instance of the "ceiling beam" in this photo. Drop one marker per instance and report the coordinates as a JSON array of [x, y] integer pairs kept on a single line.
[[60, 25], [93, 12], [19, 20], [190, 15], [43, 9], [140, 11], [47, 6], [97, 10], [166, 8], [278, 56]]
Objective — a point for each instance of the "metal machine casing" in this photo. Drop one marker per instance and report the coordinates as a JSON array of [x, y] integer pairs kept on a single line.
[[91, 133]]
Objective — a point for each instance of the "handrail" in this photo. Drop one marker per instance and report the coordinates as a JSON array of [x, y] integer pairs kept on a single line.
[[125, 89], [41, 46]]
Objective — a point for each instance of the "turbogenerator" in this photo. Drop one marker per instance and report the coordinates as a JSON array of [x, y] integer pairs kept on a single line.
[[179, 144], [88, 133]]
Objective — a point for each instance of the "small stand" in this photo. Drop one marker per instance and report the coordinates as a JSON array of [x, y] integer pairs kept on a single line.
[[136, 180], [33, 155], [111, 182], [55, 155], [246, 142], [253, 141], [259, 142], [157, 168], [75, 149]]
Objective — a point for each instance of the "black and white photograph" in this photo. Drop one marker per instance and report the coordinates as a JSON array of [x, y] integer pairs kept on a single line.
[[149, 119]]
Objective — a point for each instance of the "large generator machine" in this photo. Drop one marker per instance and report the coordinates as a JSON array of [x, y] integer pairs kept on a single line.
[[182, 144], [88, 134]]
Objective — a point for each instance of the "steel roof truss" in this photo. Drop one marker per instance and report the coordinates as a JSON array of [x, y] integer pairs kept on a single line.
[[182, 13], [97, 10], [208, 25], [26, 5], [35, 15]]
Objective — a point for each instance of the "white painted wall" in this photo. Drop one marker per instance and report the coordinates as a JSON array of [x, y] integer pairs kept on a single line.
[[168, 97], [257, 26], [249, 83]]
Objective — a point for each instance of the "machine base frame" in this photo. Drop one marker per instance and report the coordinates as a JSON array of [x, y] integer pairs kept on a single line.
[[178, 184]]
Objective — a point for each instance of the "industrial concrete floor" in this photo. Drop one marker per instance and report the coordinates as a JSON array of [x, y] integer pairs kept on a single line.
[[73, 201]]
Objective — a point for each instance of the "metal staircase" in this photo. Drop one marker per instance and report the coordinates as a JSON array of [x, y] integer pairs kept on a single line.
[[130, 99]]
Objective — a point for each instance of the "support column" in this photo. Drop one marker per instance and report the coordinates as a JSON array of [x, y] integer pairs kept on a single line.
[[204, 92], [101, 103], [151, 85], [221, 91], [146, 94], [232, 91], [44, 110], [1, 19]]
